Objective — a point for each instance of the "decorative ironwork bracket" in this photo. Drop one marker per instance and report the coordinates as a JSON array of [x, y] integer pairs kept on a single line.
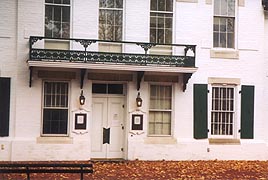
[[187, 48], [146, 46], [82, 77], [35, 39], [85, 42], [31, 75], [140, 75], [186, 78]]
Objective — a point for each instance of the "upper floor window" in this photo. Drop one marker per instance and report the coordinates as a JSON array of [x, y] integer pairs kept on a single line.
[[57, 18], [224, 24], [110, 19], [161, 16]]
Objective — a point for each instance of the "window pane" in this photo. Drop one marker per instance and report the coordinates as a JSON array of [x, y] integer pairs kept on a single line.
[[216, 7], [118, 17], [119, 3], [153, 22], [160, 36], [152, 35], [168, 22], [161, 5], [160, 22], [230, 40], [57, 1], [168, 36], [169, 5], [223, 10], [99, 88], [115, 88], [223, 40], [231, 7], [106, 3], [154, 5], [230, 25], [49, 1], [66, 2], [223, 22], [55, 121], [66, 14]]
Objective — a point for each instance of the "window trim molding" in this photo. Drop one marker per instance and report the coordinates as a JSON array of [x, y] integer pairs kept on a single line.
[[237, 111], [223, 53]]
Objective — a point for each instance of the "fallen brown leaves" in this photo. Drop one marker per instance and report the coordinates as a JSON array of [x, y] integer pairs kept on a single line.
[[173, 170]]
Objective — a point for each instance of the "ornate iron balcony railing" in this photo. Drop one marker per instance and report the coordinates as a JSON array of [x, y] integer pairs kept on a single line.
[[87, 51]]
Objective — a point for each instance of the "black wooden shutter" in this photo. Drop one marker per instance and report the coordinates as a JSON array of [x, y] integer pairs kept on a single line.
[[247, 112], [4, 106], [200, 111]]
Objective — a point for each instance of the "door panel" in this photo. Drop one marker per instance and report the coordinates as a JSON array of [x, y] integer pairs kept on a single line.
[[99, 116], [107, 113], [115, 121]]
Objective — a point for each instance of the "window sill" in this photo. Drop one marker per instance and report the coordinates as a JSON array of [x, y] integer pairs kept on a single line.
[[54, 140], [160, 140], [224, 53], [224, 141]]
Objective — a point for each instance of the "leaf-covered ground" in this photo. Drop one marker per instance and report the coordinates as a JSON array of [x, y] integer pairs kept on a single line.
[[175, 170]]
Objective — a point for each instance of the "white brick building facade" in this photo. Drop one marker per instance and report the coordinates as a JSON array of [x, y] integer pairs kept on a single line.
[[175, 122]]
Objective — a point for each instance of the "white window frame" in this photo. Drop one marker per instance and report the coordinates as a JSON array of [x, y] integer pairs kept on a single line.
[[171, 110], [236, 120], [68, 108], [60, 5], [235, 28]]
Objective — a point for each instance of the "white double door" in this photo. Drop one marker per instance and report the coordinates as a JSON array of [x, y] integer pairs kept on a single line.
[[107, 128]]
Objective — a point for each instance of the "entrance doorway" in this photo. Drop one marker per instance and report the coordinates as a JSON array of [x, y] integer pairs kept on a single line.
[[107, 128]]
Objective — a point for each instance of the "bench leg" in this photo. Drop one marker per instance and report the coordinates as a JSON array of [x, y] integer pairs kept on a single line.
[[28, 174]]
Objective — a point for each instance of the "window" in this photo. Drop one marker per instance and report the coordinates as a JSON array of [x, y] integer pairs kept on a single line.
[[57, 18], [161, 16], [108, 88], [110, 19], [224, 23], [160, 110], [55, 108], [222, 111]]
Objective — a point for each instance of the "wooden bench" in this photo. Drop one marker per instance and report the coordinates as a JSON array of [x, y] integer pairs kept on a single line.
[[28, 168]]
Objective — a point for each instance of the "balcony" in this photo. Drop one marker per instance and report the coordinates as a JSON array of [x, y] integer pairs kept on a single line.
[[111, 55]]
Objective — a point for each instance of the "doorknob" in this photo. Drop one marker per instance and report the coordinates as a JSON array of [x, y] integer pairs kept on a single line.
[[122, 125]]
